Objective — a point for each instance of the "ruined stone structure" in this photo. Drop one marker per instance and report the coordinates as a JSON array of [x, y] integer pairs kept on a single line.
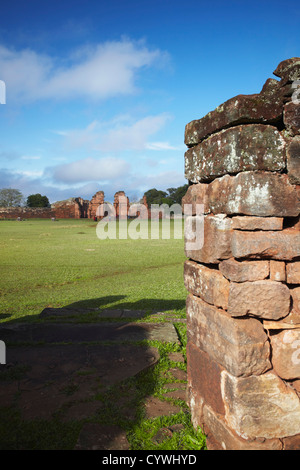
[[96, 201], [121, 205], [73, 208], [243, 307]]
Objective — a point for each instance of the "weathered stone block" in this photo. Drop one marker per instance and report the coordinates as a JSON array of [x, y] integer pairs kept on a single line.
[[204, 375], [239, 345], [277, 271], [283, 245], [291, 118], [293, 272], [288, 70], [263, 299], [243, 271], [242, 148], [217, 430], [260, 406], [216, 239], [293, 160], [196, 195], [257, 194], [207, 283], [291, 443], [249, 223], [265, 107], [296, 301], [286, 354]]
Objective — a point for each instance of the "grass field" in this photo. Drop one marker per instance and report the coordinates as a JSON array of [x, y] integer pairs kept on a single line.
[[64, 264], [55, 264]]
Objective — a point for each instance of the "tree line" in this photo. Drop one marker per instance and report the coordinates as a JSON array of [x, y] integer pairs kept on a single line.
[[10, 197], [14, 198]]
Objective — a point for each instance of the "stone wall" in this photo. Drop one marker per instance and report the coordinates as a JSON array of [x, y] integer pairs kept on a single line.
[[26, 213], [243, 307]]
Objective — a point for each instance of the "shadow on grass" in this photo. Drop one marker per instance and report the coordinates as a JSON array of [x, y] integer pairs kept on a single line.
[[115, 302], [97, 372]]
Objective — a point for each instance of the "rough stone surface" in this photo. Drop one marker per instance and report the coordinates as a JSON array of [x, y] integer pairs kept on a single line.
[[278, 413], [293, 272], [207, 283], [260, 194], [242, 148], [218, 431], [293, 160], [196, 195], [277, 271], [263, 299], [239, 345], [291, 118], [265, 107], [216, 239], [257, 223], [289, 69], [208, 383], [296, 301], [291, 443], [286, 354], [243, 166], [283, 246], [243, 271]]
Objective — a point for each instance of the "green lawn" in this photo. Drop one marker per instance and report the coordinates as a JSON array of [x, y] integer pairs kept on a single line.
[[64, 263], [55, 264]]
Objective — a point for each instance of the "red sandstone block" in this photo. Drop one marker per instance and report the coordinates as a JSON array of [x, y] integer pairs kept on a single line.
[[220, 437], [239, 345], [265, 107], [196, 194], [204, 377], [263, 299], [286, 353], [293, 160], [261, 194], [249, 223], [293, 272], [216, 239], [283, 245], [243, 271], [291, 118], [207, 283], [277, 271], [242, 148]]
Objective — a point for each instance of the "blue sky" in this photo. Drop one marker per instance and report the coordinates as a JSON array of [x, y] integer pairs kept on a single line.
[[98, 93]]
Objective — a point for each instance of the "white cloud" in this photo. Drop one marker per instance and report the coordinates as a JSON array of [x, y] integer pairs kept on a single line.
[[89, 169], [160, 146], [118, 134], [100, 71]]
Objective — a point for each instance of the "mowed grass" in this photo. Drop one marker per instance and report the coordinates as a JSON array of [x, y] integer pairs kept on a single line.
[[57, 264]]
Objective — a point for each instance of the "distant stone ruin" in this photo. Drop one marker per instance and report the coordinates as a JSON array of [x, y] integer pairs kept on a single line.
[[243, 307], [73, 208]]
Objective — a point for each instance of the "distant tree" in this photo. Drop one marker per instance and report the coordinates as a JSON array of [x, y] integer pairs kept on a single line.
[[172, 196], [37, 200], [155, 196], [176, 194], [10, 197]]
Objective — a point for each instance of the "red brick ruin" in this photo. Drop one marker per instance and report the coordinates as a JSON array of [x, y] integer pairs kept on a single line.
[[73, 208], [243, 307]]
